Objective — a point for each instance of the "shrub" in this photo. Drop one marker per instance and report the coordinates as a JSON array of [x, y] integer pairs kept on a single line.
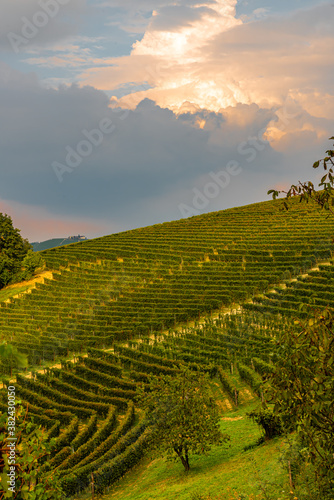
[[271, 423]]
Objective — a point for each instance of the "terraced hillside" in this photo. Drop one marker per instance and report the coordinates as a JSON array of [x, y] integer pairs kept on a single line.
[[89, 405], [314, 289], [147, 280], [114, 304]]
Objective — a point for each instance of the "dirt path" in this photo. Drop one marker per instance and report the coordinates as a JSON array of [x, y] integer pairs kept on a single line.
[[232, 418]]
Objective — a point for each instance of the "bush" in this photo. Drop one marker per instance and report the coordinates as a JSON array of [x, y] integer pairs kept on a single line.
[[271, 423], [30, 263]]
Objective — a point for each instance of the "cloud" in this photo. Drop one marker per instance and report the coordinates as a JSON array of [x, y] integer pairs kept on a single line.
[[259, 13], [27, 24], [149, 5], [133, 17], [172, 18], [77, 54], [216, 61], [199, 90], [151, 162], [170, 61]]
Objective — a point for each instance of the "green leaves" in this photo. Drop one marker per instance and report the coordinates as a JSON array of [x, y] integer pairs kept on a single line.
[[266, 418], [13, 249], [12, 357], [274, 193], [30, 263], [302, 386], [31, 446], [306, 190], [183, 415]]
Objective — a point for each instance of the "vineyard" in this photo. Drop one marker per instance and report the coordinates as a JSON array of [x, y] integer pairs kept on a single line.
[[89, 404], [111, 315]]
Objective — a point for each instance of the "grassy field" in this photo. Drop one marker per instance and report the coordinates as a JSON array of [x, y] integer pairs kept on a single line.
[[227, 473], [16, 289], [9, 292]]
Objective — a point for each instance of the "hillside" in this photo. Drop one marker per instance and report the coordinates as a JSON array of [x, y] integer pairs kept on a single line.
[[131, 304], [144, 281], [228, 473]]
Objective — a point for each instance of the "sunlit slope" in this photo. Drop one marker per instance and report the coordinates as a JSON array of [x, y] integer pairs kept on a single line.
[[147, 280], [314, 289], [88, 405]]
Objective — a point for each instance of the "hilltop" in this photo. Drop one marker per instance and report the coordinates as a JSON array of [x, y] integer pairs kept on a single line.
[[56, 242]]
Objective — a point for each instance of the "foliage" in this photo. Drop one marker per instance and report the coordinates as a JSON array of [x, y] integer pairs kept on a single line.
[[13, 249], [228, 385], [31, 445], [271, 423], [30, 263], [251, 377], [297, 463], [111, 459], [306, 190], [303, 381], [183, 415], [217, 475], [302, 386], [9, 355]]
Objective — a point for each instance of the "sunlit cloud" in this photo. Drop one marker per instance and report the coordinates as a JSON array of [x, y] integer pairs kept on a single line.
[[77, 53], [170, 60], [214, 60]]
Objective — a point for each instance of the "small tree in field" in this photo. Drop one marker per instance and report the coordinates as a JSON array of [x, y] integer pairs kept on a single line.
[[183, 415]]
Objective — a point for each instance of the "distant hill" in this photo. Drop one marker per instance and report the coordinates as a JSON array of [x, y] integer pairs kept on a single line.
[[56, 242]]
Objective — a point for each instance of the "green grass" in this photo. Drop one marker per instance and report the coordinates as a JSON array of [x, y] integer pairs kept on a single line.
[[9, 292], [226, 473]]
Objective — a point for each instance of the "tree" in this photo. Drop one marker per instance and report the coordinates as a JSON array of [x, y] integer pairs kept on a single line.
[[9, 355], [302, 386], [20, 480], [13, 249], [30, 263], [183, 415], [270, 422], [303, 383], [324, 197]]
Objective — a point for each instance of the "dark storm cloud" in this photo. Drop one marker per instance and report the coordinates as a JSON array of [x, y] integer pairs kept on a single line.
[[150, 153]]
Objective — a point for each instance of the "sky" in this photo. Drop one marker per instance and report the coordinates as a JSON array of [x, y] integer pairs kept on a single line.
[[117, 114]]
